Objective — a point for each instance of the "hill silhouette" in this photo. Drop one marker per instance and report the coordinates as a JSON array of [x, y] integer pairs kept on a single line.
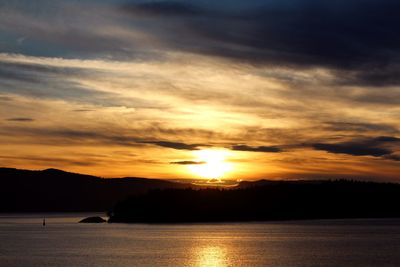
[[267, 201], [54, 190], [156, 201]]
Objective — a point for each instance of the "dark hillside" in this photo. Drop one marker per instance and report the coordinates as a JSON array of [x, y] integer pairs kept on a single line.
[[55, 190]]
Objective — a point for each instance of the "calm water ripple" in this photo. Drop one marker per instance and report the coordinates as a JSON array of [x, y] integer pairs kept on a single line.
[[63, 242]]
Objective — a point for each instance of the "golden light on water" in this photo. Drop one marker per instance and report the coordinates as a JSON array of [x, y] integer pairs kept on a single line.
[[214, 163], [212, 256]]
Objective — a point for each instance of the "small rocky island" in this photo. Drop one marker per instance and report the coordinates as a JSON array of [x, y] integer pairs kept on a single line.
[[95, 219]]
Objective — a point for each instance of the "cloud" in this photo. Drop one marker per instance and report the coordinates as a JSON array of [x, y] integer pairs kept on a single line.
[[63, 80], [267, 149], [5, 98], [394, 157], [162, 8], [385, 139], [54, 160], [83, 110], [359, 127], [359, 43], [374, 76], [63, 29], [376, 147], [296, 75], [355, 149], [118, 137], [188, 162], [174, 145], [20, 119], [30, 68], [44, 81]]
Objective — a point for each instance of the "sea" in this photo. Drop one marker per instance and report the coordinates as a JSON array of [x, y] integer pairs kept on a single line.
[[24, 241]]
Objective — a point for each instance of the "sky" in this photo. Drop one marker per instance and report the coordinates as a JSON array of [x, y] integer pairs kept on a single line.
[[273, 89]]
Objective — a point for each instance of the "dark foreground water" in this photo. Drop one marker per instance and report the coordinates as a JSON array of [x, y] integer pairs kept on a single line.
[[63, 242]]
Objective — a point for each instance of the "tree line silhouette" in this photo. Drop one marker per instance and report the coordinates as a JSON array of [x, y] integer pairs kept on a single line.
[[268, 201]]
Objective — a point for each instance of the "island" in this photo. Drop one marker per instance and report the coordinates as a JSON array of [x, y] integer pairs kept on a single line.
[[263, 201], [95, 219]]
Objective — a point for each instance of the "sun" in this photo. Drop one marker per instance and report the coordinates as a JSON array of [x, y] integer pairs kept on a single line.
[[212, 163]]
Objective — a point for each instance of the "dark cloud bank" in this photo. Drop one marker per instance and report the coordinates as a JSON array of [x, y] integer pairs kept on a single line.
[[377, 147], [359, 39], [356, 39]]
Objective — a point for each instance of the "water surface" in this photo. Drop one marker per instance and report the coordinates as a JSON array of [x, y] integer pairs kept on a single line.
[[64, 242]]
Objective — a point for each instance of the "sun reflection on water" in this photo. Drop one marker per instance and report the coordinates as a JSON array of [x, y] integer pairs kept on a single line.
[[213, 256]]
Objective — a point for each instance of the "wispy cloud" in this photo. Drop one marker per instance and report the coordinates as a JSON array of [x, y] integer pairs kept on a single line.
[[266, 149], [174, 145], [20, 119], [188, 162]]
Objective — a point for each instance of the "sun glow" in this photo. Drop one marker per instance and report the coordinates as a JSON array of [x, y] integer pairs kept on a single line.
[[212, 164], [215, 256]]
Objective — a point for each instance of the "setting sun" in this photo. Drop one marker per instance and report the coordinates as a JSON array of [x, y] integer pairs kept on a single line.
[[213, 164]]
